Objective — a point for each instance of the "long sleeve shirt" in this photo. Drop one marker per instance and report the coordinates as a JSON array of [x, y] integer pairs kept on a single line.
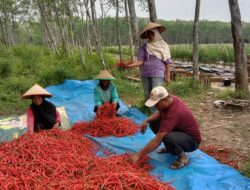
[[31, 120], [101, 96]]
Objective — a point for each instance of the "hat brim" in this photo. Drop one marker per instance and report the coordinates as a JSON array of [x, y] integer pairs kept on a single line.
[[144, 35], [151, 103], [104, 78], [30, 96]]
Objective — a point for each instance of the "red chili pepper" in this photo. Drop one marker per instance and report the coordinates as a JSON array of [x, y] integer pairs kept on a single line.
[[121, 64], [58, 159], [106, 124], [224, 155]]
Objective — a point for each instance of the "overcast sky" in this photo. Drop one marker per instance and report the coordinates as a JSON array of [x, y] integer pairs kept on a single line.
[[209, 10], [214, 10]]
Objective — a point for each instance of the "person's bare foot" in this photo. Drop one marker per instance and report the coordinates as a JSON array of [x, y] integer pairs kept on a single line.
[[180, 162]]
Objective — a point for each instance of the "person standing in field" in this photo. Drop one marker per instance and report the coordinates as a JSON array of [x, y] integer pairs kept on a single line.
[[153, 59]]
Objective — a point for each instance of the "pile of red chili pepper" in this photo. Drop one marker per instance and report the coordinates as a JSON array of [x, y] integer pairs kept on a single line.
[[58, 159], [223, 155], [107, 110], [106, 124], [123, 64]]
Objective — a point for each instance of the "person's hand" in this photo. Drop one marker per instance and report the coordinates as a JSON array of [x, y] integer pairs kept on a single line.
[[134, 158], [56, 125], [167, 82], [114, 104], [143, 126], [127, 64], [123, 64]]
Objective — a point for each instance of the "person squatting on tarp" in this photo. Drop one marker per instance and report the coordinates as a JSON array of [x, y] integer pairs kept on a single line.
[[105, 91], [173, 124], [41, 114], [154, 58]]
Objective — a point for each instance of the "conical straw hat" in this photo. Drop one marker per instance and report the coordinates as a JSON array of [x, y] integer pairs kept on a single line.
[[104, 75], [36, 90], [151, 25]]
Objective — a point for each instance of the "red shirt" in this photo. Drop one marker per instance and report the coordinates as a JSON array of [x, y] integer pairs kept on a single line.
[[178, 117]]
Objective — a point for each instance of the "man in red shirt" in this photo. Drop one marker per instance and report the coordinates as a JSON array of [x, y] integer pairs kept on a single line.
[[174, 125]]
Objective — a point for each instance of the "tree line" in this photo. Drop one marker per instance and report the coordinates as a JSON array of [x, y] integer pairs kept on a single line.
[[178, 32], [67, 23]]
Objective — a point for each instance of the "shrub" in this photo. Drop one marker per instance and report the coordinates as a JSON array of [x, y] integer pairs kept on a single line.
[[5, 52], [54, 76], [5, 68], [18, 84], [12, 89]]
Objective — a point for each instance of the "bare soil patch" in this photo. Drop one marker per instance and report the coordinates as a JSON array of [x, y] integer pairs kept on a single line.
[[224, 127]]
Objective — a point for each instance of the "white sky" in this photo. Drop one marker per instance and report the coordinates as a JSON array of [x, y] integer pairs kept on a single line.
[[214, 10], [209, 10]]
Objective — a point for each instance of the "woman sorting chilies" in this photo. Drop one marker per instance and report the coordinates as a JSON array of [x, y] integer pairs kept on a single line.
[[154, 58], [105, 91], [41, 114]]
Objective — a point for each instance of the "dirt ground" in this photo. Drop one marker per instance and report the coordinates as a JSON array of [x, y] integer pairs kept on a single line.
[[224, 126], [221, 126]]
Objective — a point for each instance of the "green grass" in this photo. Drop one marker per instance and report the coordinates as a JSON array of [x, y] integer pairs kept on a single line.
[[229, 94], [23, 66], [186, 87], [246, 171], [208, 53]]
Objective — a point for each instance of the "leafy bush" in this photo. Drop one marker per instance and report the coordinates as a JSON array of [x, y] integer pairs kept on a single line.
[[17, 84], [12, 89], [5, 68], [54, 76], [5, 52], [30, 53]]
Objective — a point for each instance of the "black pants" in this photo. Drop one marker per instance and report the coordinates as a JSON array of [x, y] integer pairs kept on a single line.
[[175, 142]]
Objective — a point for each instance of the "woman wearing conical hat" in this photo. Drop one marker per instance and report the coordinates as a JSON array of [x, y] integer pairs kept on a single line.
[[105, 90], [153, 59], [41, 115]]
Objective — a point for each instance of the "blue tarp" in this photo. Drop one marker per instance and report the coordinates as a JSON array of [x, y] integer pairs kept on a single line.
[[203, 172], [78, 99]]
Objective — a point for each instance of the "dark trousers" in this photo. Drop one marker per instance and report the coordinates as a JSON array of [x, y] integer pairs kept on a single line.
[[175, 142]]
